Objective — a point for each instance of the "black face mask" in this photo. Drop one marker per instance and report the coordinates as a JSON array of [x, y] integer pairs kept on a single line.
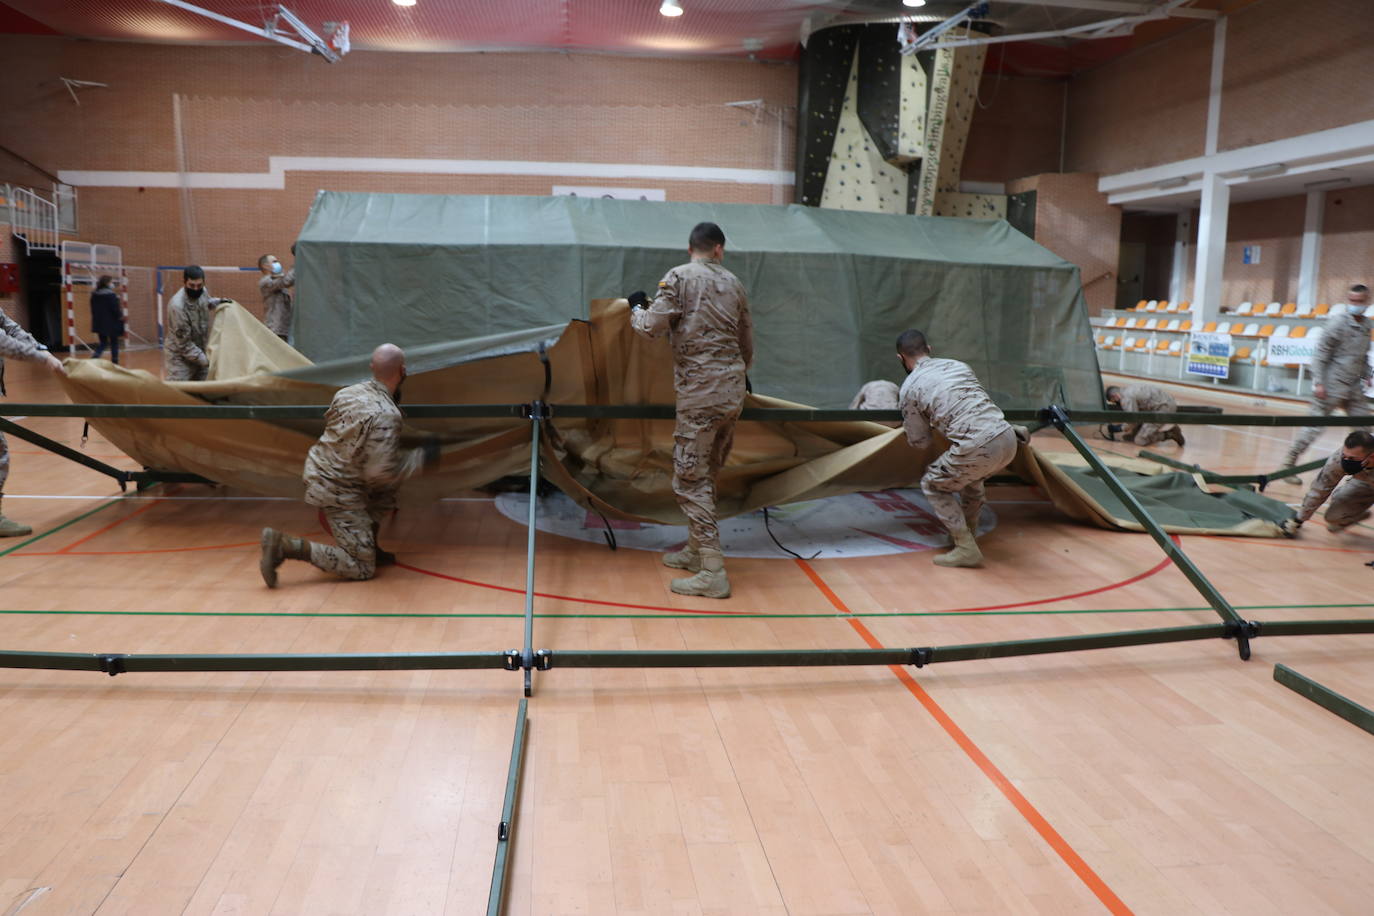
[[1352, 465], [194, 293]]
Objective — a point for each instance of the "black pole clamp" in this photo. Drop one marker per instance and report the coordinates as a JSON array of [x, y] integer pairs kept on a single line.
[[503, 831], [920, 657], [538, 410], [113, 664], [512, 659], [543, 659]]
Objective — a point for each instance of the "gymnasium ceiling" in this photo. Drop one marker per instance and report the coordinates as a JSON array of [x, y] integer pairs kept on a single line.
[[769, 29]]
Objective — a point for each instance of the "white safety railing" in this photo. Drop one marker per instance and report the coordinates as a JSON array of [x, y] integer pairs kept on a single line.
[[33, 219]]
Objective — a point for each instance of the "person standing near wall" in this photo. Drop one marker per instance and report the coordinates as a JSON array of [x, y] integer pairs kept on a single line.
[[107, 318], [1340, 368], [17, 343], [703, 309], [188, 329], [275, 285]]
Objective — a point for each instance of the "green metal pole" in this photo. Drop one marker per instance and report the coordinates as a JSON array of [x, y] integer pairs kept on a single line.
[[1237, 626], [538, 410], [505, 832], [1314, 627], [65, 451], [1213, 477], [113, 663], [1347, 709]]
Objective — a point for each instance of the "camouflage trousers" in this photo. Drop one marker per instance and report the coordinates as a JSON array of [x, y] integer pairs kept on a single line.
[[1150, 433], [1348, 398], [355, 557], [701, 443], [178, 370], [962, 470], [4, 462], [1348, 504]]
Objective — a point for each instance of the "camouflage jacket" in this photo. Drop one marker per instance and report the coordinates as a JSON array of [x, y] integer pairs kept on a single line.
[[359, 460], [16, 343], [944, 395], [1146, 398], [1342, 356], [877, 395], [187, 335], [703, 309], [276, 301], [1327, 478]]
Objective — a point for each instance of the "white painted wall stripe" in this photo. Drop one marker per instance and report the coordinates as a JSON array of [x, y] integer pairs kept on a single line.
[[278, 166]]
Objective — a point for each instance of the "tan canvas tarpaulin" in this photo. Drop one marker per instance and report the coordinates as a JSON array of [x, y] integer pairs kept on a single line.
[[621, 468]]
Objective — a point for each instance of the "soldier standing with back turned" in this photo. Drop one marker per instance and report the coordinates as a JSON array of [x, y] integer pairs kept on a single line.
[[1340, 368], [703, 309]]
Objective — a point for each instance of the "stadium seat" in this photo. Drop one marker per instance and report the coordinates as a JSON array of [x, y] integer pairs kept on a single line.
[[1172, 325], [1151, 324], [1187, 325], [1299, 330], [1304, 311], [1321, 310], [1288, 308], [1209, 327], [1167, 306], [1272, 308], [1175, 348], [1152, 305], [1140, 306], [1282, 330], [1266, 331], [1116, 322], [1245, 308], [1242, 355]]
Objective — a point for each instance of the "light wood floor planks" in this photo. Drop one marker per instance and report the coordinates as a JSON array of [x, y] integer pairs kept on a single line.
[[1162, 779]]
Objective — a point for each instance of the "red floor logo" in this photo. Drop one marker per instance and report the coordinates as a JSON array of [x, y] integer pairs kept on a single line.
[[854, 525]]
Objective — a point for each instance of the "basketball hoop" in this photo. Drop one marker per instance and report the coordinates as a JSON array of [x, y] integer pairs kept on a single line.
[[338, 36]]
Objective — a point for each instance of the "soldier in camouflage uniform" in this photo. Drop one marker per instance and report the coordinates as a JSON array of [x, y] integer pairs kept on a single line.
[[352, 474], [944, 395], [275, 287], [188, 329], [703, 309], [1143, 399], [17, 343], [1352, 499], [879, 395], [1340, 368]]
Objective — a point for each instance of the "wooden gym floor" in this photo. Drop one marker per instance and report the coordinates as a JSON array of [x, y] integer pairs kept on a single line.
[[1165, 779]]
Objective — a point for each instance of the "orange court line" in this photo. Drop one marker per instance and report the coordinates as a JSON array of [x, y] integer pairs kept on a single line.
[[114, 524], [68, 552], [1051, 836]]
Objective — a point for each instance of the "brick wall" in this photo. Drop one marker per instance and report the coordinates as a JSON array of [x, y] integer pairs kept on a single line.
[[1276, 226], [1347, 243], [1075, 222], [241, 105], [1016, 130]]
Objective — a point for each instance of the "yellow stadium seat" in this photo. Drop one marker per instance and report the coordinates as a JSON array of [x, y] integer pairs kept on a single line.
[[1288, 308]]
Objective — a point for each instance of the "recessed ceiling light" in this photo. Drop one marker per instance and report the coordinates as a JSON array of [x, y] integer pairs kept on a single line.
[[913, 2], [671, 8], [404, 2]]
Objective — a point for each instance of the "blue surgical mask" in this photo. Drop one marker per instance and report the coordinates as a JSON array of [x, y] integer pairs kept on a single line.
[[276, 267]]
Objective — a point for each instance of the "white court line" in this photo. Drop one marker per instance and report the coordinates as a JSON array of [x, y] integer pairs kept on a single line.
[[1247, 432]]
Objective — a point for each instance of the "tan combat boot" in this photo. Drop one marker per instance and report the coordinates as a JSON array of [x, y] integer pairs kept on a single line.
[[965, 552], [687, 558], [1177, 435], [277, 547], [710, 580], [12, 529]]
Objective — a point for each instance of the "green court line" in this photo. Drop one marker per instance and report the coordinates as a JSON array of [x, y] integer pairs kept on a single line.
[[66, 524], [746, 616]]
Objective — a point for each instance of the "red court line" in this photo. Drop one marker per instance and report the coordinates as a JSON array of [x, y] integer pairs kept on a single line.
[[114, 524], [1286, 543], [122, 553], [1051, 836]]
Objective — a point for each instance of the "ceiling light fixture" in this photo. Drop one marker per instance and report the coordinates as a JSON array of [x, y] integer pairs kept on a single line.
[[913, 2], [1265, 171], [1328, 183], [404, 2], [671, 8]]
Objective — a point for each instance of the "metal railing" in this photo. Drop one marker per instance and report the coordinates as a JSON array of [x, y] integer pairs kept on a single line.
[[33, 218]]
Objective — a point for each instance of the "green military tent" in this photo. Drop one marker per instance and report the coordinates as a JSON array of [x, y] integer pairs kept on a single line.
[[829, 289]]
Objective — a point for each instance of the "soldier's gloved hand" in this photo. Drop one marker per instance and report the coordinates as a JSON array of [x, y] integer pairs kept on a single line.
[[429, 449], [638, 299], [1290, 527]]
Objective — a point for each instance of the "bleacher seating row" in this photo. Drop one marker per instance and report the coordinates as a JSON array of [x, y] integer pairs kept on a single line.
[[1246, 309]]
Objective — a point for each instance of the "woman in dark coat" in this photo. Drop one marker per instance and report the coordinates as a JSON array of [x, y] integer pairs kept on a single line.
[[107, 318]]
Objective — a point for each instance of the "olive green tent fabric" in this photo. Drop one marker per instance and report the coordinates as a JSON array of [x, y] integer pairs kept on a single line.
[[830, 290], [622, 468]]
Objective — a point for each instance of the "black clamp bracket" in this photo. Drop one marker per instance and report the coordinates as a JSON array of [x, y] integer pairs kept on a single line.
[[538, 410], [503, 831], [113, 664], [920, 657], [543, 659], [512, 659], [1242, 631]]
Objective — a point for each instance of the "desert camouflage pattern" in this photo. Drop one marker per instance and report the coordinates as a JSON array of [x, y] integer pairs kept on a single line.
[[1144, 399], [945, 396], [877, 395], [703, 309], [1340, 365], [276, 301], [353, 474], [961, 470], [1351, 499], [15, 343], [187, 335]]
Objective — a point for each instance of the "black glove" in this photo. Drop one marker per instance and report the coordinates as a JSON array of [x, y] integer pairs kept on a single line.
[[638, 299], [429, 448], [748, 385]]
